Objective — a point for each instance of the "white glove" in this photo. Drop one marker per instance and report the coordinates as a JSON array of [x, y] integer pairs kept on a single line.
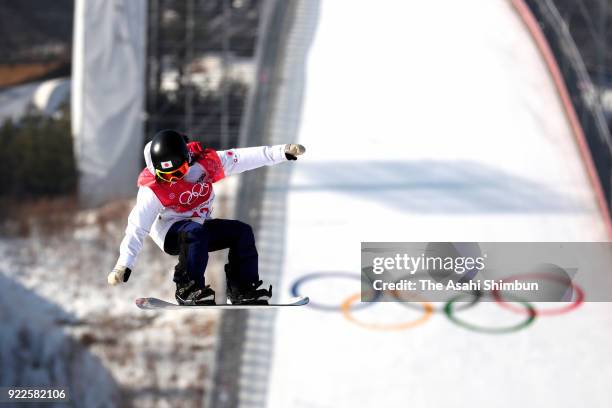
[[294, 150], [119, 274]]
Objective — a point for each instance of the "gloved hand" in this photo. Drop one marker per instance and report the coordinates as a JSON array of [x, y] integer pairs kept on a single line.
[[294, 150], [119, 274]]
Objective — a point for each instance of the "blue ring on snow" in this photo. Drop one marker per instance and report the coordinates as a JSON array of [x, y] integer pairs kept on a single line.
[[323, 275]]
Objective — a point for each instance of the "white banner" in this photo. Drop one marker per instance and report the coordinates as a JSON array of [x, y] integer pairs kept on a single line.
[[108, 91]]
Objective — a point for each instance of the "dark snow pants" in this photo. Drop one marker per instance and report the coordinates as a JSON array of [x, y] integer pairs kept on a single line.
[[192, 242]]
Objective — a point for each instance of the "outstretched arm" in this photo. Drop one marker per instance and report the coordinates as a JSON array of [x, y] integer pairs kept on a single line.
[[236, 161], [140, 220]]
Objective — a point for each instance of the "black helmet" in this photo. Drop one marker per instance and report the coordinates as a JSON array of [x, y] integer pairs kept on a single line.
[[169, 151]]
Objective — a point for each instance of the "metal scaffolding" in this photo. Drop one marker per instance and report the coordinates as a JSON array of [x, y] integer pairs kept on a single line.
[[200, 66]]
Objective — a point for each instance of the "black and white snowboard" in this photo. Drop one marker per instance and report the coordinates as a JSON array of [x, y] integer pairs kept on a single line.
[[151, 303]]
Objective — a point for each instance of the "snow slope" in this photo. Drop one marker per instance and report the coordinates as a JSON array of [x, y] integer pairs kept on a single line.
[[62, 324], [428, 121], [36, 351]]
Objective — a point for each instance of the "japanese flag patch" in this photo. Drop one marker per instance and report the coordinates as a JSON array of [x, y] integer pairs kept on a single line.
[[166, 164]]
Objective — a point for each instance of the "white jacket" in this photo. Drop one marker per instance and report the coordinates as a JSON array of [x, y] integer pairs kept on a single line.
[[149, 216]]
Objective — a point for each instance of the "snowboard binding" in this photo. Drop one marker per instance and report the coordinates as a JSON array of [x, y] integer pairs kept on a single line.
[[249, 294], [192, 294]]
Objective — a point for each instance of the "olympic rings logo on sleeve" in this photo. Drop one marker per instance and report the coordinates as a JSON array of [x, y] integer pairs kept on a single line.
[[348, 306]]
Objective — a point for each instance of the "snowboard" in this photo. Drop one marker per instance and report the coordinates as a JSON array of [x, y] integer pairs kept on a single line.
[[151, 303]]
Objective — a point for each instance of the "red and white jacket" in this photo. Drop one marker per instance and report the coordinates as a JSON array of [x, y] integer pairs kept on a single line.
[[159, 205]]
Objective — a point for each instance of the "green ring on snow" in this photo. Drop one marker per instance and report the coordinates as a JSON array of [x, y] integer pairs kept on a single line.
[[450, 313]]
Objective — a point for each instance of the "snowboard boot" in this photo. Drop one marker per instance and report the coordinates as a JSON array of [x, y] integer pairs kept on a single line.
[[192, 294], [249, 295]]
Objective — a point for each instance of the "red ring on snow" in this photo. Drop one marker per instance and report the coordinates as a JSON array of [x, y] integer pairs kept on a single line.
[[548, 312]]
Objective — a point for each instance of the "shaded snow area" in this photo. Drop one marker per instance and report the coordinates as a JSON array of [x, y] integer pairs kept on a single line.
[[63, 325]]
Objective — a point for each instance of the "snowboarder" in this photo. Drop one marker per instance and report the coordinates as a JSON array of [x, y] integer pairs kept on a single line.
[[174, 206]]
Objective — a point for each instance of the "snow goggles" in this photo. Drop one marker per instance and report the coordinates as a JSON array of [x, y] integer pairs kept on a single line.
[[177, 174]]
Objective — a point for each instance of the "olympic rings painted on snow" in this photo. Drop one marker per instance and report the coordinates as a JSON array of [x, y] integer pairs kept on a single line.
[[346, 312], [547, 312], [531, 315], [350, 304], [322, 275], [476, 294]]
